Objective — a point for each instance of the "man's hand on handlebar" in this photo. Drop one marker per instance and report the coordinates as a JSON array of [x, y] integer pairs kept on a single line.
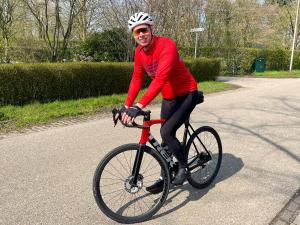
[[127, 114], [128, 120], [130, 114]]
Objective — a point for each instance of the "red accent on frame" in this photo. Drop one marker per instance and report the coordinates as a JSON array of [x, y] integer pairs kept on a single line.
[[146, 131]]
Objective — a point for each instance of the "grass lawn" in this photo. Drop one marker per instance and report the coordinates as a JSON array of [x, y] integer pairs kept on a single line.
[[20, 117], [279, 74]]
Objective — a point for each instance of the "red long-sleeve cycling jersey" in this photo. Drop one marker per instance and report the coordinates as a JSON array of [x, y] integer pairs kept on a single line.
[[168, 72]]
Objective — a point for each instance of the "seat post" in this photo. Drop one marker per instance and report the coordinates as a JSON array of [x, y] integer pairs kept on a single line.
[[186, 126], [187, 122]]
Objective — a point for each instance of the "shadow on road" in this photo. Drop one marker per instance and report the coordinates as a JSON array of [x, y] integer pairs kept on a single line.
[[285, 107], [230, 166], [277, 113]]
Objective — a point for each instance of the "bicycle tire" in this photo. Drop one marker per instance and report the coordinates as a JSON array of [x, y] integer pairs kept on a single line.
[[197, 178], [99, 176]]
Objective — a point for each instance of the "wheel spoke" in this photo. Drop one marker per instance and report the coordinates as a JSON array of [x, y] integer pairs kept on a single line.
[[122, 165], [151, 175], [106, 178], [113, 197], [130, 159], [121, 178], [101, 186], [149, 170], [147, 166], [129, 167], [121, 189]]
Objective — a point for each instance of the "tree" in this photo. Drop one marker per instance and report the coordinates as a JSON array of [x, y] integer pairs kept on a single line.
[[286, 18], [105, 46], [55, 18], [86, 18], [7, 8], [173, 18], [38, 26]]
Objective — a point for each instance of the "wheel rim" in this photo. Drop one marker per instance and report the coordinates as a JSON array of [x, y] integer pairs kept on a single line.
[[208, 161]]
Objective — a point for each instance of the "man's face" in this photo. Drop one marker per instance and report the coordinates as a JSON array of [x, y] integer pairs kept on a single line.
[[142, 35]]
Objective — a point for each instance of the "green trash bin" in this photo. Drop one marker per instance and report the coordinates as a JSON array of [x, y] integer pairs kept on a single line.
[[260, 65]]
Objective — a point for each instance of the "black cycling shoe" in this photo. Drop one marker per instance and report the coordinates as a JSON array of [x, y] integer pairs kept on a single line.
[[156, 187], [181, 176]]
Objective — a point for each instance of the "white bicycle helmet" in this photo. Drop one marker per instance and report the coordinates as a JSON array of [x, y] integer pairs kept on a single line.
[[138, 19]]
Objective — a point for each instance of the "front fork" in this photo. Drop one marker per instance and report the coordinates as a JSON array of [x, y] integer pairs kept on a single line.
[[137, 164]]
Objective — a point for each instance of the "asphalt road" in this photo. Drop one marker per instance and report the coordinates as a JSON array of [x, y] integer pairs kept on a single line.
[[46, 176]]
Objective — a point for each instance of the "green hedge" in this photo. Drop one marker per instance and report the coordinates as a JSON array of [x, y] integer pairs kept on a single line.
[[276, 59], [204, 68], [241, 60], [25, 83]]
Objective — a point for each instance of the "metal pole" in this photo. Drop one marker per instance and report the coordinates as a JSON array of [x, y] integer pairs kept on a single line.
[[196, 44], [295, 35]]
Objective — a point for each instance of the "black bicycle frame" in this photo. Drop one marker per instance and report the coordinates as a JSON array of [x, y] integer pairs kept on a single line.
[[164, 152]]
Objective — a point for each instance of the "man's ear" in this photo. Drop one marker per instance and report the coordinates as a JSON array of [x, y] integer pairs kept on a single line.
[[152, 29]]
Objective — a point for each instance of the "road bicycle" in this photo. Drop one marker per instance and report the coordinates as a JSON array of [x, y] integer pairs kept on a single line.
[[121, 178]]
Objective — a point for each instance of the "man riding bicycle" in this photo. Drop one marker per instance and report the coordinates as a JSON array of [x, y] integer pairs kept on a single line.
[[159, 58]]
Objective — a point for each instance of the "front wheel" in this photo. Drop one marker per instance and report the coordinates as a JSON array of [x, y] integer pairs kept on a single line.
[[115, 192], [204, 150]]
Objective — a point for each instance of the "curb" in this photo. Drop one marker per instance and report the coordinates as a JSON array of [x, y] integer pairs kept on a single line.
[[289, 212]]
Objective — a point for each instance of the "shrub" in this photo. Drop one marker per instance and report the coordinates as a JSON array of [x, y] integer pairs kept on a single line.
[[24, 83], [204, 68], [241, 60], [108, 45]]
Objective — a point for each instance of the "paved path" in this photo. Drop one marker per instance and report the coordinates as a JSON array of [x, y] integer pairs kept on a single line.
[[46, 176]]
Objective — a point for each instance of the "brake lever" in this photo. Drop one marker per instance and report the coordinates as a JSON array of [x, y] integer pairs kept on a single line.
[[115, 112], [115, 120]]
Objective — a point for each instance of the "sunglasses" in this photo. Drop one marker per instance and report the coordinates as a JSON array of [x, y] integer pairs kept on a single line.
[[144, 30]]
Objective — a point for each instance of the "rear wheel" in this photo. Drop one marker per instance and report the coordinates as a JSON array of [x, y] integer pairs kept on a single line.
[[114, 191], [204, 150]]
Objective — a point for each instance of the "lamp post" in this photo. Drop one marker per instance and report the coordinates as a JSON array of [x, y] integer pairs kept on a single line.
[[196, 30], [295, 36]]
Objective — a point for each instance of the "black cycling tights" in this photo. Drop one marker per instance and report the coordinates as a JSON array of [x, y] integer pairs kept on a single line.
[[176, 111]]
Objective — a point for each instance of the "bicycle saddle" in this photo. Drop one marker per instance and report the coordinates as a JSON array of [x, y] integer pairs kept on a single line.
[[200, 97]]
